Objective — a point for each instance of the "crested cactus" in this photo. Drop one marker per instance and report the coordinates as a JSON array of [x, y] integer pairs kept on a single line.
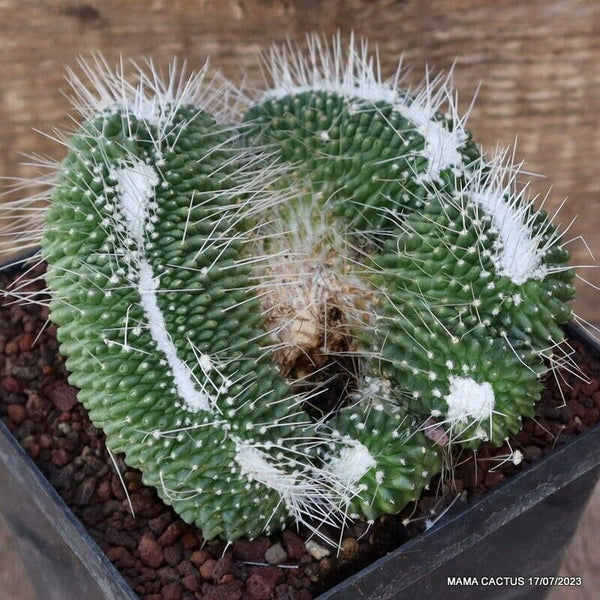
[[467, 282], [341, 248]]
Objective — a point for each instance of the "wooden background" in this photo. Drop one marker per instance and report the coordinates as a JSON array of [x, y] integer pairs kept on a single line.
[[538, 62]]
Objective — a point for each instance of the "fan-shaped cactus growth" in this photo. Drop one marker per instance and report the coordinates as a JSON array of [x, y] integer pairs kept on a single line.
[[341, 249]]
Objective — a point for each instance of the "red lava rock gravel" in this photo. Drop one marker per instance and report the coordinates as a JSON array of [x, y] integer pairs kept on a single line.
[[163, 558]]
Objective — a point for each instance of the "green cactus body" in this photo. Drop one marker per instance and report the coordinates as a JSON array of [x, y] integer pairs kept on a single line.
[[152, 291], [364, 154], [402, 460], [142, 291], [443, 276], [468, 282], [209, 272]]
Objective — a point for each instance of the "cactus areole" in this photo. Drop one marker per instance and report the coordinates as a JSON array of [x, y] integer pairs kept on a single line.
[[266, 311]]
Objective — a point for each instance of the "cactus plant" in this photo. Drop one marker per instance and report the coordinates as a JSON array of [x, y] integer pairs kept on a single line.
[[266, 312], [468, 281]]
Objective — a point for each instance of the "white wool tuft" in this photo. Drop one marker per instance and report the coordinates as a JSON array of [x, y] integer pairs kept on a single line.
[[519, 251], [441, 145], [302, 489], [469, 400], [135, 184], [519, 255], [194, 399], [254, 463], [355, 74], [351, 464]]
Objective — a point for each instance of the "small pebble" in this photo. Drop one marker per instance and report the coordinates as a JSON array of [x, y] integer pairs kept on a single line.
[[222, 566], [276, 555], [16, 413], [115, 553], [316, 550], [26, 342], [63, 396], [259, 587], [207, 569], [38, 406], [349, 548], [160, 523], [60, 457], [11, 347], [171, 591], [13, 385], [185, 568], [191, 582], [150, 552], [173, 555], [251, 550], [532, 452], [293, 544], [325, 567], [168, 575], [232, 591], [103, 490], [171, 533], [189, 540], [84, 491], [199, 557]]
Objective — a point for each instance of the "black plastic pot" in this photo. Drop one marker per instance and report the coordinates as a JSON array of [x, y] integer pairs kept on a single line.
[[520, 529]]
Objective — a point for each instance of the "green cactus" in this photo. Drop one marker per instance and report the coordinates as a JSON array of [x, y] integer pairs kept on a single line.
[[469, 281], [142, 289], [400, 458], [153, 294], [214, 275]]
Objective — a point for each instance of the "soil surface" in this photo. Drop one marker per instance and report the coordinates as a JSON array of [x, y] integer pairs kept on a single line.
[[163, 558]]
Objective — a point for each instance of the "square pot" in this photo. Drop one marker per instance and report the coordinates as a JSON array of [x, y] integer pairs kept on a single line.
[[519, 531]]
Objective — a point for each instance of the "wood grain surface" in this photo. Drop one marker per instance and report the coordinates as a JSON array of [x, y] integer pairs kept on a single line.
[[538, 63]]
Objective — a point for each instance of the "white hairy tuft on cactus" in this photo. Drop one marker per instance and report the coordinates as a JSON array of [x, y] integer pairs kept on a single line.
[[469, 400], [135, 184]]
